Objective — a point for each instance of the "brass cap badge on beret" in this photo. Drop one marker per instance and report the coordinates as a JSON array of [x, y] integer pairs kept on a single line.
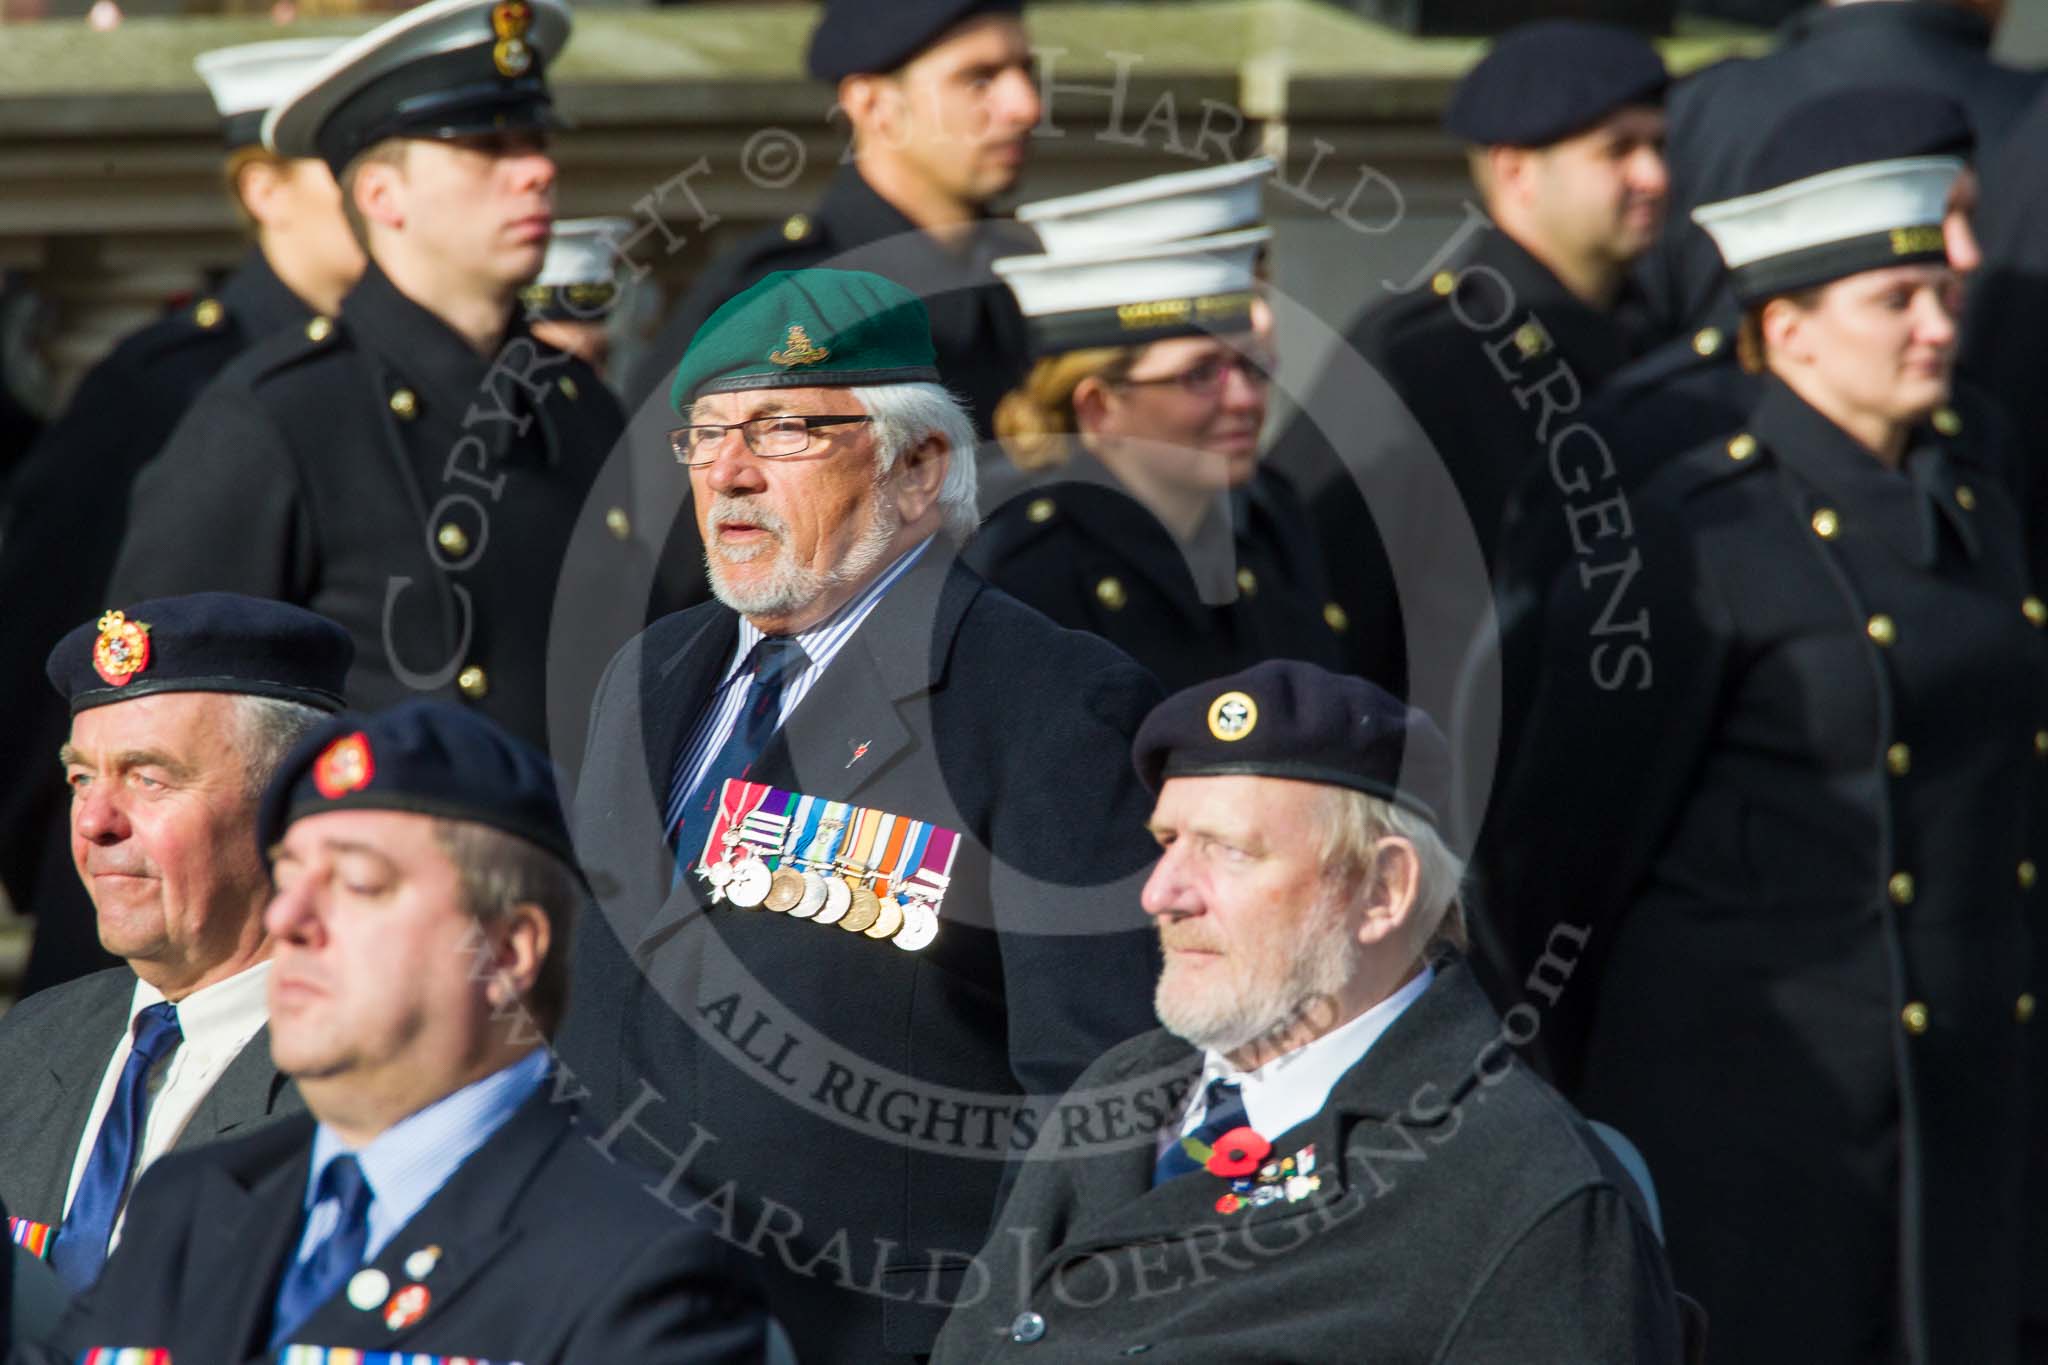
[[798, 350], [344, 766], [122, 649], [1232, 716]]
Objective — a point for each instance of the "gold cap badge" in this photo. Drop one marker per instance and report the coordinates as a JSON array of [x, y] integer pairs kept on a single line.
[[1232, 716], [122, 649], [344, 766], [798, 350], [510, 54]]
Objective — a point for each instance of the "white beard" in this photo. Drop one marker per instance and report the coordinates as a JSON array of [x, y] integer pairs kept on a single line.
[[1242, 1006], [788, 587]]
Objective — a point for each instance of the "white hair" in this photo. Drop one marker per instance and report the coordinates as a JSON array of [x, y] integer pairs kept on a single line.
[[1355, 821], [270, 726], [904, 415]]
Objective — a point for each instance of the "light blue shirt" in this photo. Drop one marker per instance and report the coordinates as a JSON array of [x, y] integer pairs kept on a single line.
[[409, 1162], [821, 644]]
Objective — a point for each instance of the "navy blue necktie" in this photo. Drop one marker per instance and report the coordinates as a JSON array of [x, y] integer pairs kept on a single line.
[[1223, 1111], [775, 660], [319, 1277], [81, 1247]]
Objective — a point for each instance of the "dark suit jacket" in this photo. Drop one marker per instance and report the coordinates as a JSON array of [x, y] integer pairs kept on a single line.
[[847, 1106], [54, 1048], [1465, 1214], [550, 1253]]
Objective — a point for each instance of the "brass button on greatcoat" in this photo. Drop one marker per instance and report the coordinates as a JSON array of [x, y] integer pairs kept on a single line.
[[1247, 582], [1336, 618], [1898, 760], [2028, 874], [453, 539], [1110, 592], [1966, 497], [2023, 1008], [1946, 422], [319, 329], [618, 523], [473, 683], [795, 227], [1742, 447], [2035, 610], [1443, 283], [1826, 524], [1914, 1017], [405, 403], [208, 313], [2041, 744], [1881, 630], [1900, 888], [1039, 511], [1707, 341], [568, 387]]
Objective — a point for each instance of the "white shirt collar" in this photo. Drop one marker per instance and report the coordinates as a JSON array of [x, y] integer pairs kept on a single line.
[[224, 1015], [1293, 1087]]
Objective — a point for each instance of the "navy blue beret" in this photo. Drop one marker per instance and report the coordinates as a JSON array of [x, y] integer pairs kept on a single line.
[[860, 37], [1295, 720], [425, 757], [1542, 82], [204, 642], [1856, 127]]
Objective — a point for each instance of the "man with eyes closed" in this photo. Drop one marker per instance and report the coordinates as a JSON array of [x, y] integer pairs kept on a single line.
[[180, 711]]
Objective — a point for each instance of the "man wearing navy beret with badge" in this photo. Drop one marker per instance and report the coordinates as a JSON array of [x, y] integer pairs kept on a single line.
[[940, 98], [865, 844], [181, 709], [1361, 1169], [437, 1201], [416, 467], [1515, 316]]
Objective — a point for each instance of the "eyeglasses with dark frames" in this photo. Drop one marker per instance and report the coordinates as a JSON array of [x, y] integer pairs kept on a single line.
[[1205, 378], [772, 438]]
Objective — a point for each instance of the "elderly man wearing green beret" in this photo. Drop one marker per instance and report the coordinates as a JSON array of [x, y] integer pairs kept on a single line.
[[862, 829]]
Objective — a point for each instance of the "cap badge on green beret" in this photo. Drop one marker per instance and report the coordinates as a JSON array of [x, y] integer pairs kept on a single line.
[[1232, 716], [510, 54], [344, 766], [798, 350], [122, 649]]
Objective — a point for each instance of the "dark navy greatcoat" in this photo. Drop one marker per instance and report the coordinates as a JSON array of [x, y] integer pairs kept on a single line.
[[379, 470], [1774, 828]]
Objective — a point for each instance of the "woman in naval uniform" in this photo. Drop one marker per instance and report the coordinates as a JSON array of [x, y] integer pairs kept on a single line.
[[1141, 512], [1769, 849]]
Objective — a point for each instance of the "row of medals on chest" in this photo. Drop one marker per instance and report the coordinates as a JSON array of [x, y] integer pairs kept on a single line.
[[818, 887]]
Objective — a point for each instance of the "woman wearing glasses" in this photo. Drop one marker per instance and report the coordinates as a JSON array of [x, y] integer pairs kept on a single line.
[[1145, 516], [1776, 823]]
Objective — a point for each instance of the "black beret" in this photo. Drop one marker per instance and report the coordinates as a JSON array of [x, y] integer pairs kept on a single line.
[[1295, 720], [1857, 127], [425, 757], [204, 642], [860, 37], [1542, 82]]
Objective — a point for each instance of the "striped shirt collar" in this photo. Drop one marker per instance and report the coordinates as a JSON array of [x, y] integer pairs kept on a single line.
[[409, 1162]]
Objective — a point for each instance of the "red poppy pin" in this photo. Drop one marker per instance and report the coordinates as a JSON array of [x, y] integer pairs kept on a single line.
[[407, 1307]]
